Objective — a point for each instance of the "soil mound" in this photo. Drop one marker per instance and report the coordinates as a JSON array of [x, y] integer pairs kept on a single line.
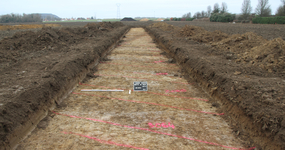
[[199, 34], [128, 19], [269, 56], [163, 26], [239, 43], [145, 19], [248, 48], [103, 25], [191, 30], [159, 19]]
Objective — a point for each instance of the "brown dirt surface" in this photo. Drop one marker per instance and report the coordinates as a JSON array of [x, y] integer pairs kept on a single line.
[[199, 34], [119, 70], [164, 26], [38, 68], [26, 26], [253, 98], [249, 48], [267, 31], [145, 19], [242, 67]]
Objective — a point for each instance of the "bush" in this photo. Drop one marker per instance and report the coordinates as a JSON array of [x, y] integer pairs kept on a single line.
[[180, 19], [190, 19], [269, 20], [222, 17]]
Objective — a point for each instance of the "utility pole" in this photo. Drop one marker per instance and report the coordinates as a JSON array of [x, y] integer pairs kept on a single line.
[[118, 11]]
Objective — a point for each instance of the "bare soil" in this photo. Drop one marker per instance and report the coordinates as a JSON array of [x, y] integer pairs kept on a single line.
[[124, 117], [241, 67], [253, 97], [38, 68]]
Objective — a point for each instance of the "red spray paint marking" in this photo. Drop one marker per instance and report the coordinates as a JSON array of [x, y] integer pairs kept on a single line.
[[133, 101], [175, 91], [141, 78], [158, 61], [139, 66], [149, 92], [161, 73], [145, 129], [105, 142], [163, 125]]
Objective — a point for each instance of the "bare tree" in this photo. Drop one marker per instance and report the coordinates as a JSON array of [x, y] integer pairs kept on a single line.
[[197, 15], [263, 8], [224, 7], [187, 15], [203, 14], [216, 8], [281, 9], [209, 10], [246, 9]]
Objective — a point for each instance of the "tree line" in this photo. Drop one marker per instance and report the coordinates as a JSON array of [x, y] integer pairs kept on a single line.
[[20, 18], [262, 10]]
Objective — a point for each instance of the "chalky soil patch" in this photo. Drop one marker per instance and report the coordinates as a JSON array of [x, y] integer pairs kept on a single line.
[[171, 114]]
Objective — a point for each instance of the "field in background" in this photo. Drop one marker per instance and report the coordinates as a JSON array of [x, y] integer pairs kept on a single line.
[[26, 26], [93, 20]]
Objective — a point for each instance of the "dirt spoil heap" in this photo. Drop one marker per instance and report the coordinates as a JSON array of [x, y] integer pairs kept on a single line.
[[128, 19], [199, 34]]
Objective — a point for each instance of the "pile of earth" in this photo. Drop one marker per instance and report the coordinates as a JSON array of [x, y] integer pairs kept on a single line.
[[159, 19], [145, 19], [14, 48], [128, 19], [199, 34], [164, 26], [269, 55], [103, 25], [249, 48]]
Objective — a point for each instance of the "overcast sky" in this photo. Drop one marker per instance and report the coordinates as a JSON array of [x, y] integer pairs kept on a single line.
[[128, 8]]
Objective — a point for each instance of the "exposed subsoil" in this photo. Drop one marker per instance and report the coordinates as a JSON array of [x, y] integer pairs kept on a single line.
[[172, 114], [245, 72], [240, 65], [38, 68]]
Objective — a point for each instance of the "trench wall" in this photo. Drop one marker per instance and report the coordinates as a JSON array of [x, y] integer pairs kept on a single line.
[[234, 93], [44, 97]]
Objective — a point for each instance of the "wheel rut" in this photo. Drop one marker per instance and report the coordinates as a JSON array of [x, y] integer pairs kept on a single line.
[[172, 114]]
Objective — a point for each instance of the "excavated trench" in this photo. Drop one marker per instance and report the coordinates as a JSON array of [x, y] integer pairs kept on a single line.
[[173, 114]]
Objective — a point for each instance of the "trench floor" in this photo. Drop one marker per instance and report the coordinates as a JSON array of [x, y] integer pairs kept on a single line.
[[172, 114]]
